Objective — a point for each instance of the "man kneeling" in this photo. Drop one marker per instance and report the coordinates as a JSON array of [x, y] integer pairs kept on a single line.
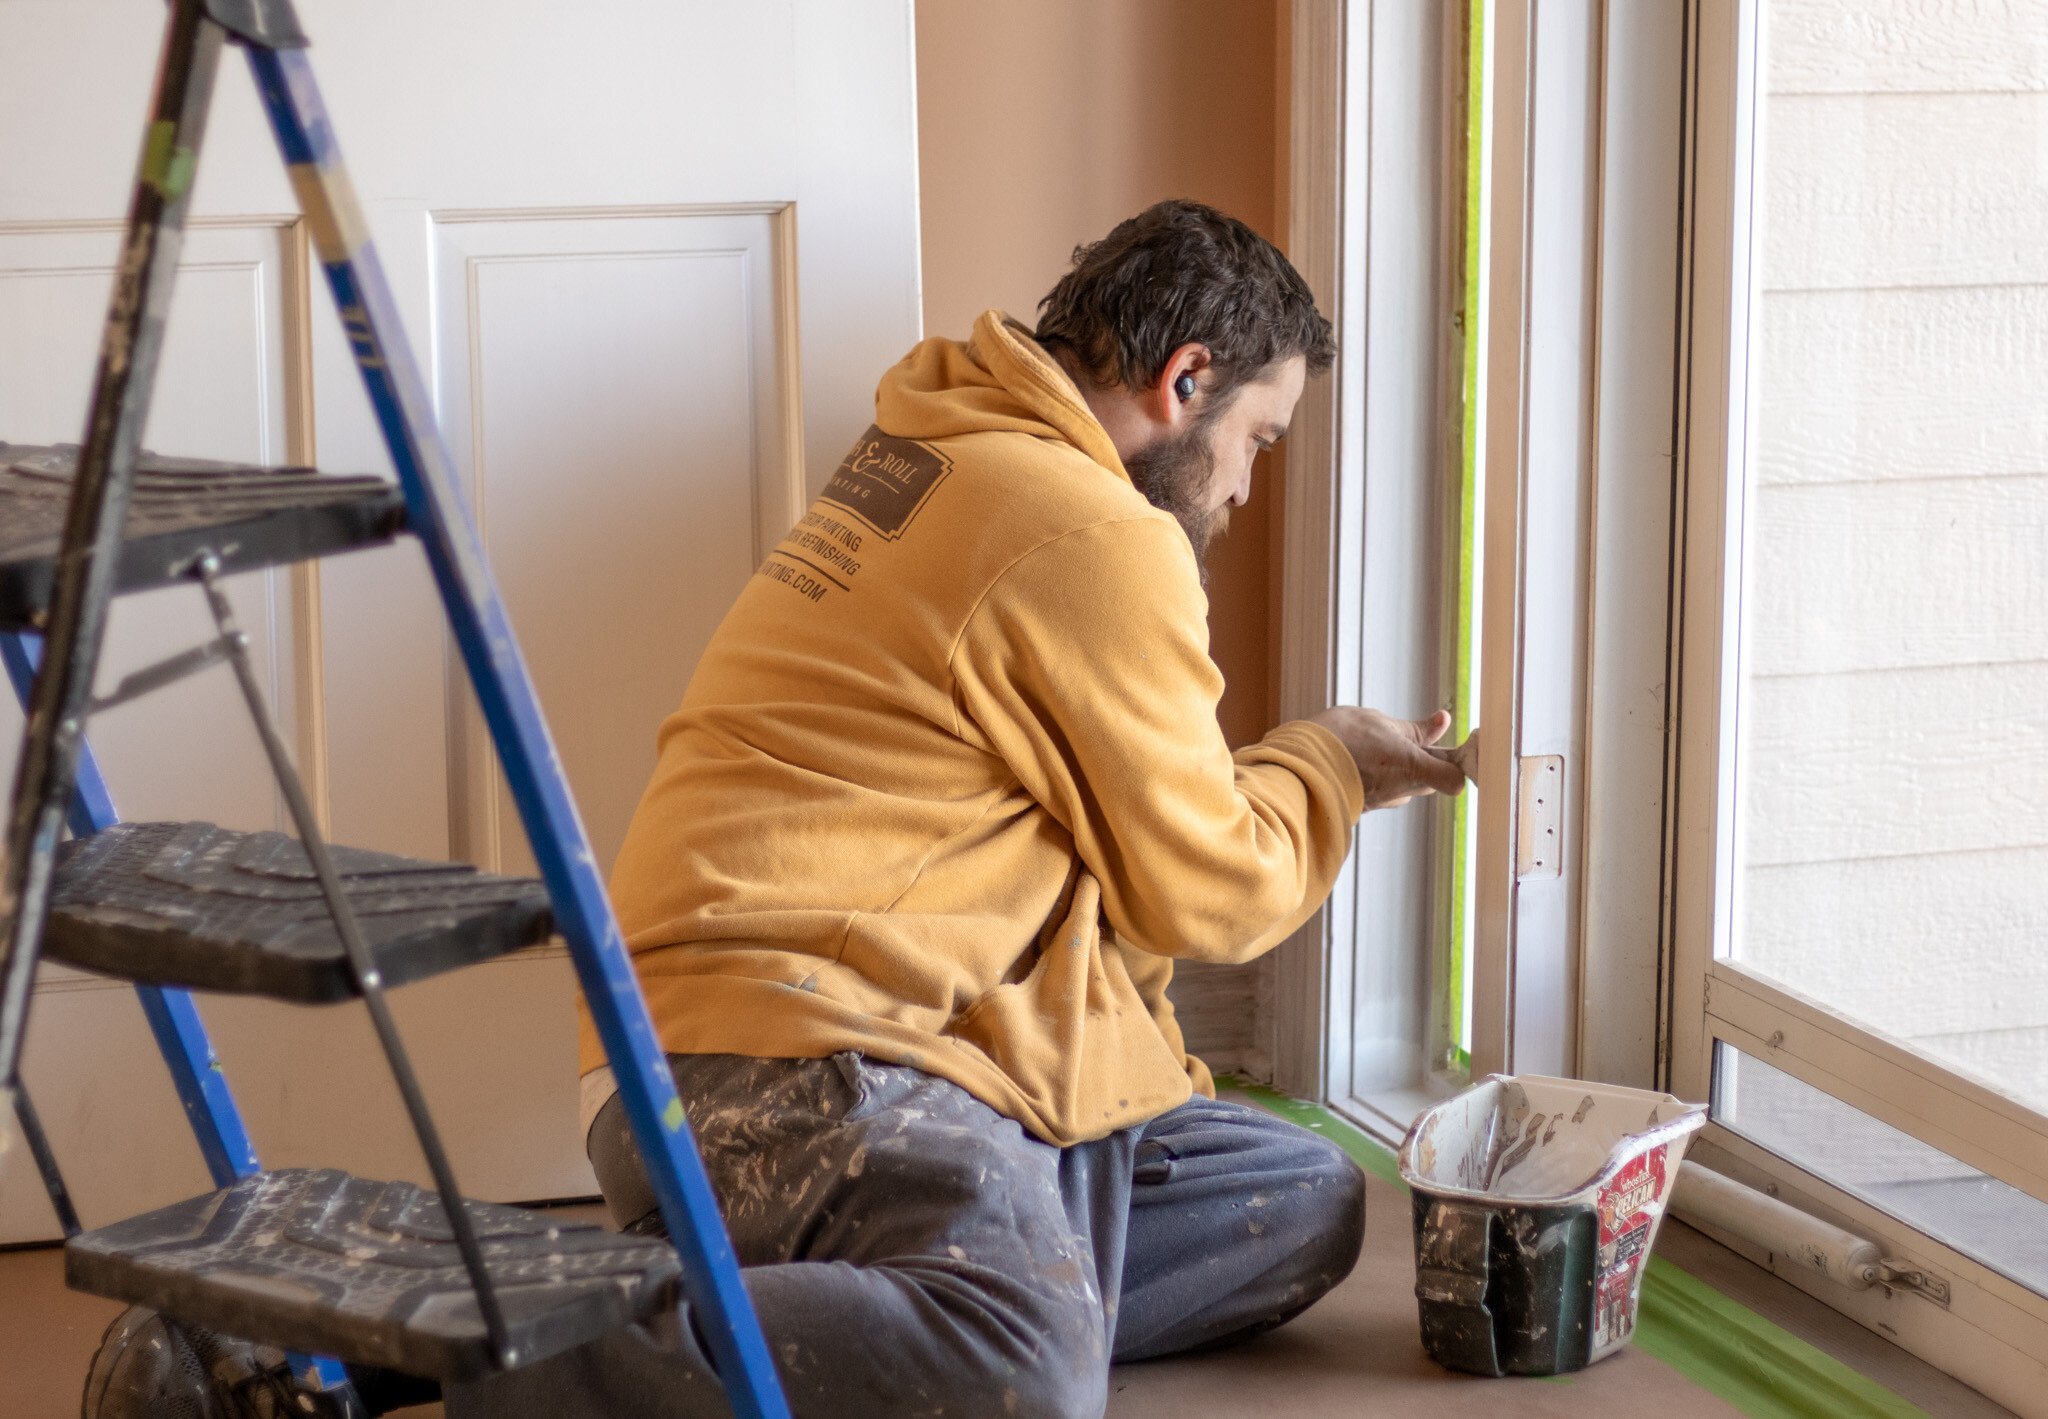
[[944, 802]]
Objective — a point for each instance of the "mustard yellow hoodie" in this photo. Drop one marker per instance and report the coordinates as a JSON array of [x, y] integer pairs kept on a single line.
[[948, 788]]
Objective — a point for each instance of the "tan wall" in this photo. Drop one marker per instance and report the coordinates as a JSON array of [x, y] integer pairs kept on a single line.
[[1043, 124]]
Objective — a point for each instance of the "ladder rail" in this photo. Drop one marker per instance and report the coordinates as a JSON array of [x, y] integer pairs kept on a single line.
[[56, 784], [439, 516], [45, 1158]]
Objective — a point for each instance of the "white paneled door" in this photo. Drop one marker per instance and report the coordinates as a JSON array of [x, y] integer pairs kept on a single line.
[[654, 256]]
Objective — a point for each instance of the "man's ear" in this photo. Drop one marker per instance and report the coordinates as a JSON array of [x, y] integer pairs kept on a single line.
[[1176, 396]]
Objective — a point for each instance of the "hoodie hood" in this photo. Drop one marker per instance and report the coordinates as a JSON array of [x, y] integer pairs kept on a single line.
[[1000, 380]]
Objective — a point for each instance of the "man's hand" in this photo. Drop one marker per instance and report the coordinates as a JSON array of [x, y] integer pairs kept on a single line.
[[1393, 755]]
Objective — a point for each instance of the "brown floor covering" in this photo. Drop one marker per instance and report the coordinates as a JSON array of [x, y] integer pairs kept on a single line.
[[1356, 1353]]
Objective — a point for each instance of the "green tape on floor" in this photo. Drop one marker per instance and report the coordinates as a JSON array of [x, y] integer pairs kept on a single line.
[[1762, 1369], [1719, 1344]]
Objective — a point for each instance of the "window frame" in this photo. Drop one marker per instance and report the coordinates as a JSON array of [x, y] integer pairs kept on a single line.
[[1992, 1329], [1361, 560], [1653, 246], [1365, 587]]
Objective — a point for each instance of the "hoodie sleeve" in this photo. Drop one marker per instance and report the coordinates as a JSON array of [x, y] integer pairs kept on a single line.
[[1086, 666]]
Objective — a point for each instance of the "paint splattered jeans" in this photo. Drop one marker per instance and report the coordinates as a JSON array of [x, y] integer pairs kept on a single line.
[[912, 1252]]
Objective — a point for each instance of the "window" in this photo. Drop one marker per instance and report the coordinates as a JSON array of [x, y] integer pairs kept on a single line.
[[1442, 960], [1861, 858], [1754, 558]]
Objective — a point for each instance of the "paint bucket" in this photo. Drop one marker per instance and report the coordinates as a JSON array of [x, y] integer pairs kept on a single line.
[[1536, 1201]]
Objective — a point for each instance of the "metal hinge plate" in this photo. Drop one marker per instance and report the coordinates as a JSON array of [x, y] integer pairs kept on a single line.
[[1911, 1278], [1539, 817]]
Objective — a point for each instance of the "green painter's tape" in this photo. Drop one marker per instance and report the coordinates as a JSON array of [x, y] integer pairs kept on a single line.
[[1462, 707], [166, 166], [1723, 1346], [1719, 1344], [672, 1116]]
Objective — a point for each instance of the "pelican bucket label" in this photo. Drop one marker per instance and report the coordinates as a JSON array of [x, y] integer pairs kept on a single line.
[[1629, 1206]]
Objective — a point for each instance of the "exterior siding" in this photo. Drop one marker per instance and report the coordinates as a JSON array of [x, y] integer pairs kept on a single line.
[[1895, 726]]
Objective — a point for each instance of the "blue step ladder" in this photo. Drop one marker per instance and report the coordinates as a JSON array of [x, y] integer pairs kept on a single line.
[[327, 1267]]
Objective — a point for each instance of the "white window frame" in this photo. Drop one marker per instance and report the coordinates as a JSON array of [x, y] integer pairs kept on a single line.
[[1993, 1333], [1353, 992], [1615, 266], [1352, 217], [1363, 580]]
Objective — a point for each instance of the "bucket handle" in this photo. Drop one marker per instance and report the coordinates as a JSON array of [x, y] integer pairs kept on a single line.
[[1453, 1280]]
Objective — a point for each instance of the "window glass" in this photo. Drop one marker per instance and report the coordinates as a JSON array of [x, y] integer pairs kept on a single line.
[[1893, 760]]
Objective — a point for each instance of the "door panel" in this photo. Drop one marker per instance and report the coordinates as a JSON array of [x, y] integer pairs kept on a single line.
[[188, 751], [596, 437]]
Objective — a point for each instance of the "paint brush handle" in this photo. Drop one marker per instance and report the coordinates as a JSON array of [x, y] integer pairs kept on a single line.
[[1465, 755]]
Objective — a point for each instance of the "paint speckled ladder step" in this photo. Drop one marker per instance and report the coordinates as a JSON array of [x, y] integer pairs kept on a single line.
[[207, 908], [248, 516], [318, 1261]]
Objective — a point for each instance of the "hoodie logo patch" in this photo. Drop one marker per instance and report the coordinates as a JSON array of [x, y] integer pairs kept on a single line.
[[884, 480]]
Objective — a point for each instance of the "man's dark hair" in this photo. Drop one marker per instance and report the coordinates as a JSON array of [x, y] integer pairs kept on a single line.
[[1181, 273]]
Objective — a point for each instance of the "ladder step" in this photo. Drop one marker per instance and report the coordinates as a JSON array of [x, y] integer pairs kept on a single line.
[[246, 515], [190, 904], [317, 1261]]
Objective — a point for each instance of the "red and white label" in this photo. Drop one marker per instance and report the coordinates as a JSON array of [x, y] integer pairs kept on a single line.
[[1627, 1206]]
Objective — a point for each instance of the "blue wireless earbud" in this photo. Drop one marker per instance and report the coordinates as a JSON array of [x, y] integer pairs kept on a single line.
[[1185, 387]]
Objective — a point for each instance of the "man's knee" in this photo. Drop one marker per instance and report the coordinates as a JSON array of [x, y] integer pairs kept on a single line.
[[1318, 1217], [1041, 1358], [1334, 1223]]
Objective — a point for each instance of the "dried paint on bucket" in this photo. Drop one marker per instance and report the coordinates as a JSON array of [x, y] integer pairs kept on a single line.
[[1536, 1203]]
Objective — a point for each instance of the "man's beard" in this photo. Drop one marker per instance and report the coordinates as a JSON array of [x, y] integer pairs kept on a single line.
[[1174, 474]]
